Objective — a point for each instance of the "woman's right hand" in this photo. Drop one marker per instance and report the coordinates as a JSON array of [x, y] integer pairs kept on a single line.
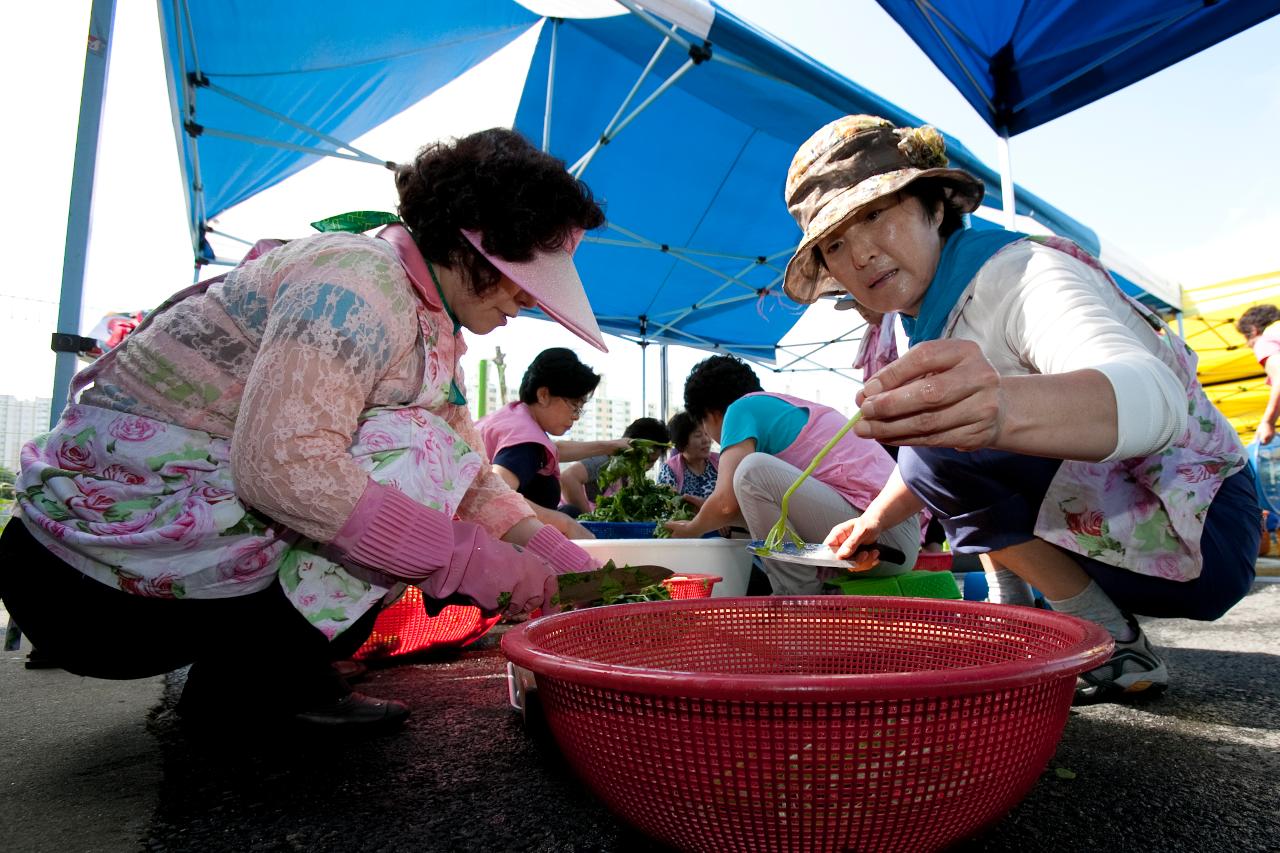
[[492, 573], [847, 536], [939, 394]]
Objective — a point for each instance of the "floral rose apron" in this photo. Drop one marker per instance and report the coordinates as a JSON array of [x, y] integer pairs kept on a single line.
[[1145, 514]]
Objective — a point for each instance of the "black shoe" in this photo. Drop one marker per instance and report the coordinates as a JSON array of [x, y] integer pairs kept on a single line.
[[355, 711], [37, 659]]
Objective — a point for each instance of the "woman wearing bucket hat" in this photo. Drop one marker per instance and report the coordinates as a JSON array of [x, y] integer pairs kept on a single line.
[[258, 467], [1053, 424]]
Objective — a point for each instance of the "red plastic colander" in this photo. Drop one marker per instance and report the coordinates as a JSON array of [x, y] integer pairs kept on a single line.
[[405, 628], [809, 724], [690, 586]]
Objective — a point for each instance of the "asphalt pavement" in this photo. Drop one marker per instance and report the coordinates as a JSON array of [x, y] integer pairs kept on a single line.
[[89, 765]]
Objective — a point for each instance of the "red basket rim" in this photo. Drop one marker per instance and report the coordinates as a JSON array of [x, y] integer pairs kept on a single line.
[[1092, 647]]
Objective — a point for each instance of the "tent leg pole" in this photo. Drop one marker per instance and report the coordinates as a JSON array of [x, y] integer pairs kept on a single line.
[[664, 395], [644, 379], [92, 93], [1006, 182], [551, 85]]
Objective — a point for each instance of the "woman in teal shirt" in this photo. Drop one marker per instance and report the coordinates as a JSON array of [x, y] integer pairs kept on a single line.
[[766, 441]]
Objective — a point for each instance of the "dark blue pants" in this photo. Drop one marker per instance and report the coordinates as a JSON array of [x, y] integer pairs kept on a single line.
[[988, 500], [256, 647]]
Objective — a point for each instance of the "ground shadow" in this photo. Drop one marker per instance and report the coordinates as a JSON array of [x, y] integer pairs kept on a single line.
[[465, 774]]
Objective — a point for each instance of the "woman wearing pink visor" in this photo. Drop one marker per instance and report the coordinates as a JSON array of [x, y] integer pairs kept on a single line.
[[249, 476]]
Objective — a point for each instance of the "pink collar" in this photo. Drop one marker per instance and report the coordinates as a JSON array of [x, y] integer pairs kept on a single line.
[[415, 266]]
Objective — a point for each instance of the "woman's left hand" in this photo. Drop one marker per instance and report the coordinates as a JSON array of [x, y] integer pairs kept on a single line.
[[939, 394], [680, 529]]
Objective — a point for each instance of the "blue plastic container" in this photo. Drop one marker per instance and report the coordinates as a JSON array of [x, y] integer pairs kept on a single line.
[[975, 586], [620, 529]]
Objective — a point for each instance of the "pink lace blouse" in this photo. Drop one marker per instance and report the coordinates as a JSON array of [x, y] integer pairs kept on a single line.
[[281, 357]]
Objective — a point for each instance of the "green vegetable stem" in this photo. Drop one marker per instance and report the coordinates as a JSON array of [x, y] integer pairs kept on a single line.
[[773, 541]]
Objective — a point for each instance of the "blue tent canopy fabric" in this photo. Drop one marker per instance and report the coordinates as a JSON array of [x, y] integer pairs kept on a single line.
[[1021, 63], [699, 233], [692, 183], [329, 66]]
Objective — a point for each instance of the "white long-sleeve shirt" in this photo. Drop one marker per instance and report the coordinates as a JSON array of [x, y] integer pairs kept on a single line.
[[1036, 310]]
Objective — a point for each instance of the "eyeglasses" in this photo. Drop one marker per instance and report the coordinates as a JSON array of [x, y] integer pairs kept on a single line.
[[576, 406]]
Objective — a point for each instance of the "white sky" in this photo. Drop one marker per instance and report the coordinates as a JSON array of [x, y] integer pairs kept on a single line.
[[1177, 170]]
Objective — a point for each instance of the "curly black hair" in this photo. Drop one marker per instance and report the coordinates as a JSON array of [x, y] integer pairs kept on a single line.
[[716, 382], [681, 425], [559, 371], [519, 198], [1256, 319], [650, 428]]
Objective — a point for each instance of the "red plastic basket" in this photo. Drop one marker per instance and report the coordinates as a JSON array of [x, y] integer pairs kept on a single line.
[[691, 586], [808, 724], [934, 561], [405, 628]]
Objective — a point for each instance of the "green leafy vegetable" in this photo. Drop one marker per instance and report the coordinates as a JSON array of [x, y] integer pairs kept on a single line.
[[638, 498], [780, 532], [610, 584]]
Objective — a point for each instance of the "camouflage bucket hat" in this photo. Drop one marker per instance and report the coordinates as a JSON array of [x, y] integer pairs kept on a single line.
[[848, 163]]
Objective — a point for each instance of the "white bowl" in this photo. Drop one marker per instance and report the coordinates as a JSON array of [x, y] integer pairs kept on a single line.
[[727, 558]]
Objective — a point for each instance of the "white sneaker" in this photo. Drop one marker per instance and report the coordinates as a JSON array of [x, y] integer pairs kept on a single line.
[[1133, 671]]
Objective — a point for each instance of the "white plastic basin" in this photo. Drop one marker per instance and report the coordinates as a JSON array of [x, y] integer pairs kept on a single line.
[[727, 558]]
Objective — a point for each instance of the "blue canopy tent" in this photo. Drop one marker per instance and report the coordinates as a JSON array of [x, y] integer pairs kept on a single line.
[[683, 121], [1021, 63], [681, 132]]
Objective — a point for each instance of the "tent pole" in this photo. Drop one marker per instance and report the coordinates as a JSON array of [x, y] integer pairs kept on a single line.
[[356, 153], [1006, 181], [644, 379], [551, 85], [664, 395], [92, 93]]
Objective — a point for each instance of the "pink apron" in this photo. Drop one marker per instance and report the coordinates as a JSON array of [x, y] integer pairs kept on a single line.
[[858, 468], [514, 424]]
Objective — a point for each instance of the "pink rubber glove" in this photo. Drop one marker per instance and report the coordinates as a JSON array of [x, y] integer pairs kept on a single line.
[[552, 545], [483, 568], [394, 535]]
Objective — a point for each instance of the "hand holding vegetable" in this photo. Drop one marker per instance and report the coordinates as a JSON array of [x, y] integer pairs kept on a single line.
[[939, 394], [638, 499], [493, 574], [680, 529]]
